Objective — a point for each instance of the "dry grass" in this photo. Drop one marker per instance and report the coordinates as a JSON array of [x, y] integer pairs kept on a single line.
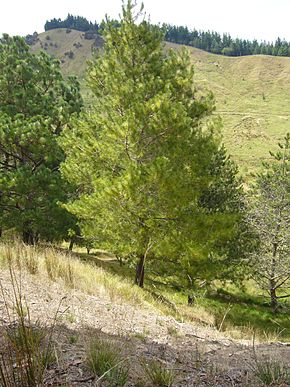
[[26, 347], [52, 265], [49, 264]]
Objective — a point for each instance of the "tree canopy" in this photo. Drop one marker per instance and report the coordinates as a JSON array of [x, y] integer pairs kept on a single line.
[[74, 22], [210, 41], [35, 106], [145, 157], [269, 215]]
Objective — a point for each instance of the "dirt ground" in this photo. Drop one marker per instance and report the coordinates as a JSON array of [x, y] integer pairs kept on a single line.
[[199, 356]]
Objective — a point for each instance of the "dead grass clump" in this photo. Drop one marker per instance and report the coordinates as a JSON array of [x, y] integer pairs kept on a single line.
[[51, 264], [29, 258], [198, 314]]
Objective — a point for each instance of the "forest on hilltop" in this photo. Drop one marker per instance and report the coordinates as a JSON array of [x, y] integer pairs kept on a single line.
[[210, 41]]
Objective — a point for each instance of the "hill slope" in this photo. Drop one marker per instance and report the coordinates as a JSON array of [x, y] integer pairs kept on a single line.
[[60, 43], [76, 303], [252, 92], [253, 98]]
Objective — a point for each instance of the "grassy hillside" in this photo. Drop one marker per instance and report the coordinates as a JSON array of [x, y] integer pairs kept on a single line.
[[230, 312], [60, 43], [252, 93], [252, 96]]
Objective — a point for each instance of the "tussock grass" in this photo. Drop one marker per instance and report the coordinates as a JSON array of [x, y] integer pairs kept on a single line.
[[272, 372], [158, 374], [26, 348], [240, 321], [105, 362]]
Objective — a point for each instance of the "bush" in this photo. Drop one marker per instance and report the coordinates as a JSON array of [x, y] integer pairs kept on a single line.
[[69, 54]]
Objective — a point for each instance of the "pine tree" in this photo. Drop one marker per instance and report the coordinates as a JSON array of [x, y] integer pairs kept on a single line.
[[143, 157], [35, 105], [270, 218]]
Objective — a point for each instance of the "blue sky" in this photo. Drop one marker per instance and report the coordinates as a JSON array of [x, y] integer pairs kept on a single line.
[[260, 19]]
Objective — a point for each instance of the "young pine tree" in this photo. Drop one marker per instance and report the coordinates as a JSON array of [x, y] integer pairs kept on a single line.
[[270, 218], [143, 156]]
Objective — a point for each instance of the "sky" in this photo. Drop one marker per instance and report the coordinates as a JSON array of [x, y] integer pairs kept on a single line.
[[249, 19]]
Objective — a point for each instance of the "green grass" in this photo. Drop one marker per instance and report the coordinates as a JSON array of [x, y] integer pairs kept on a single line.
[[158, 374], [105, 361], [252, 97], [272, 372], [251, 92], [249, 311], [240, 313]]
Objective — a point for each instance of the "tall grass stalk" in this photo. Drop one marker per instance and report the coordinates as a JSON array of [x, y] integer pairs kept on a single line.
[[27, 347]]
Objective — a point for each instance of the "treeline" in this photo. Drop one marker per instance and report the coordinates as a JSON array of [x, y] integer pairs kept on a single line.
[[224, 44], [74, 22], [205, 40]]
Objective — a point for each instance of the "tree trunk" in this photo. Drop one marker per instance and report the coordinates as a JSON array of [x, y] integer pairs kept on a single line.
[[28, 237], [273, 295], [140, 268], [71, 245], [140, 271], [272, 282]]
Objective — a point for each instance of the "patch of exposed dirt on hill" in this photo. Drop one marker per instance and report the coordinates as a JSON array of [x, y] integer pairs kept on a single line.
[[199, 356], [250, 128]]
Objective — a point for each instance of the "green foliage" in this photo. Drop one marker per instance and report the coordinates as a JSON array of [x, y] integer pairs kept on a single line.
[[147, 158], [224, 44], [75, 22], [269, 215], [35, 105]]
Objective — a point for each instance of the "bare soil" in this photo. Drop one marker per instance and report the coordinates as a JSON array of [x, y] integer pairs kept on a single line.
[[200, 356]]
